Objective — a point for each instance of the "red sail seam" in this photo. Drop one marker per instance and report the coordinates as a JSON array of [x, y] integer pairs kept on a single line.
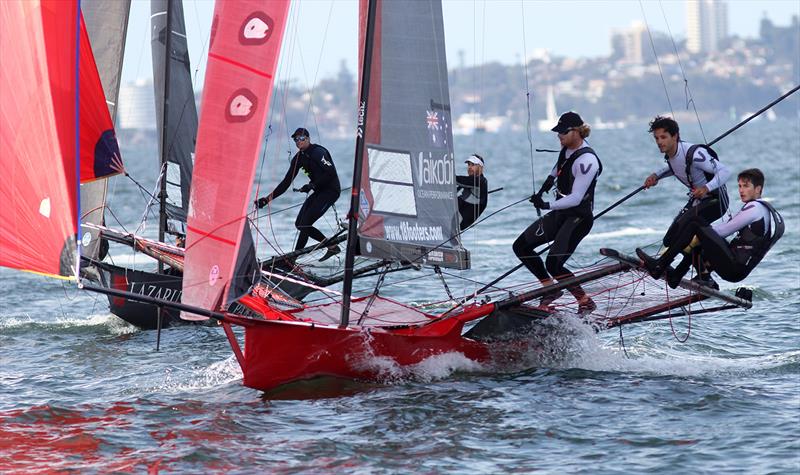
[[209, 235], [241, 65]]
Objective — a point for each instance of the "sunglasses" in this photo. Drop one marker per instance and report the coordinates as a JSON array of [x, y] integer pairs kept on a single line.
[[300, 138], [565, 132]]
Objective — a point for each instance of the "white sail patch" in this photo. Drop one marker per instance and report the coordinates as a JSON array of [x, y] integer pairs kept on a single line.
[[391, 182], [44, 207], [174, 192]]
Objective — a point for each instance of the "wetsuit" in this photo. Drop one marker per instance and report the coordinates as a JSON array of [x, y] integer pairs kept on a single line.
[[316, 162], [700, 168], [735, 260], [570, 220], [472, 199]]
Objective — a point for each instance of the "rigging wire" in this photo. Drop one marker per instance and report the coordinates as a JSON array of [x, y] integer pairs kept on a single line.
[[528, 102], [655, 54], [687, 91]]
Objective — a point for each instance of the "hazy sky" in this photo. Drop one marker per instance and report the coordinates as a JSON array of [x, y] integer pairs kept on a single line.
[[483, 30]]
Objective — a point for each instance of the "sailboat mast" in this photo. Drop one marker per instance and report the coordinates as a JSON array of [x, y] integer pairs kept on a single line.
[[352, 225], [162, 196]]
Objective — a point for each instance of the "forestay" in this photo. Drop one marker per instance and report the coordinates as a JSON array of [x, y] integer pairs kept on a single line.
[[408, 204]]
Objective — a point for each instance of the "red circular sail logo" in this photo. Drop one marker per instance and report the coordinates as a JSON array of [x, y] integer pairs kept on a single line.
[[256, 29], [241, 106]]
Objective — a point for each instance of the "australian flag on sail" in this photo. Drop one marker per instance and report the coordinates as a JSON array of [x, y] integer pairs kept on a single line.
[[438, 122]]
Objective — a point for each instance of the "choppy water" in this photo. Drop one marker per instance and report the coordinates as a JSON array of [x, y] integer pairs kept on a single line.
[[82, 391]]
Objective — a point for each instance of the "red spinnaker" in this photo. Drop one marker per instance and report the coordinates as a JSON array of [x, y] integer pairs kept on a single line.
[[38, 210], [245, 44]]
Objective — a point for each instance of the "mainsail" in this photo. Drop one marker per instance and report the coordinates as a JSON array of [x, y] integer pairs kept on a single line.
[[179, 108], [45, 49], [245, 43], [408, 203], [106, 24]]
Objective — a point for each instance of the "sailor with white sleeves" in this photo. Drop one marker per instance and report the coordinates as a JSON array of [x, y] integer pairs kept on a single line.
[[575, 176], [758, 226], [698, 168]]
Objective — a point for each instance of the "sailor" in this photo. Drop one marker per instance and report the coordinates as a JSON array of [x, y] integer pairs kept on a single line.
[[699, 169], [758, 226], [474, 191], [575, 176], [324, 188]]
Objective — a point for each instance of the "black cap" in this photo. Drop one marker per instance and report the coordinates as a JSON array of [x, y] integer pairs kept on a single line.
[[301, 132], [568, 120]]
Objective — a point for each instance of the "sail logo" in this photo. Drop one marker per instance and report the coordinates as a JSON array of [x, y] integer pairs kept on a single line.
[[256, 29], [435, 171], [213, 275], [241, 106], [362, 110]]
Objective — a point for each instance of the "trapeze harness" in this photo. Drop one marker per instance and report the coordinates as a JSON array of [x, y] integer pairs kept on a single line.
[[565, 179], [753, 241]]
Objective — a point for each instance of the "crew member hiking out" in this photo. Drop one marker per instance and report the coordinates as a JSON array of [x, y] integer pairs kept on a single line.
[[575, 176], [758, 226], [474, 191], [699, 169], [323, 188]]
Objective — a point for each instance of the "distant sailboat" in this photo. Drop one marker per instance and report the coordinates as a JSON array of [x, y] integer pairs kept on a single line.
[[550, 112]]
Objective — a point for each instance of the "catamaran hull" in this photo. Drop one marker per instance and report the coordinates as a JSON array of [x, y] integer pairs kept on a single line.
[[281, 352]]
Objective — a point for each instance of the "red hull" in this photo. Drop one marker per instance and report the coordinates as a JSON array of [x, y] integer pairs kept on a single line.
[[280, 352]]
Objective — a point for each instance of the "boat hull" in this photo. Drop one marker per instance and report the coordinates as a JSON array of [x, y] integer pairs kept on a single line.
[[281, 352]]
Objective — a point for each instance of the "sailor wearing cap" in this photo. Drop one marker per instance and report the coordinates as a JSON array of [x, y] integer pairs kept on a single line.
[[473, 191], [575, 176], [316, 162]]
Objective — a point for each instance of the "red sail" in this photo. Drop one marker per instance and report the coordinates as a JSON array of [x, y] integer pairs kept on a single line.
[[38, 210], [245, 43], [100, 155]]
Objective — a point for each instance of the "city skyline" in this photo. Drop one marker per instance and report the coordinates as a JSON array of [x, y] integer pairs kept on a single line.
[[549, 26]]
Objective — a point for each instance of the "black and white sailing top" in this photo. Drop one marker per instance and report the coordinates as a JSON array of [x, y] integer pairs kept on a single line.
[[752, 213], [583, 172], [705, 169]]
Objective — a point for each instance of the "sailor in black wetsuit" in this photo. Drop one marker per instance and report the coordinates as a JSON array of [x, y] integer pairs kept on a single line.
[[759, 227], [575, 176], [699, 169], [474, 191], [316, 162]]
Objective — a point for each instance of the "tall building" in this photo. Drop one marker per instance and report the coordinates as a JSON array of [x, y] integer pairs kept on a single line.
[[628, 44], [706, 25]]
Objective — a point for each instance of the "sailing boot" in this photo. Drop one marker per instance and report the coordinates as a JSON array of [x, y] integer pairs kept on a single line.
[[706, 281], [675, 275], [332, 251], [654, 266]]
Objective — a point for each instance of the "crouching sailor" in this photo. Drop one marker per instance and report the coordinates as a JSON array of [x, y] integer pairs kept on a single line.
[[759, 227], [474, 191], [575, 176], [699, 169]]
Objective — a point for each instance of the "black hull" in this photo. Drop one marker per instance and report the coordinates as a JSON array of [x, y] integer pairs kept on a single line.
[[142, 315]]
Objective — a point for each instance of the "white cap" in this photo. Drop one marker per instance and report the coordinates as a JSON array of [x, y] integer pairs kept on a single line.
[[475, 159]]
